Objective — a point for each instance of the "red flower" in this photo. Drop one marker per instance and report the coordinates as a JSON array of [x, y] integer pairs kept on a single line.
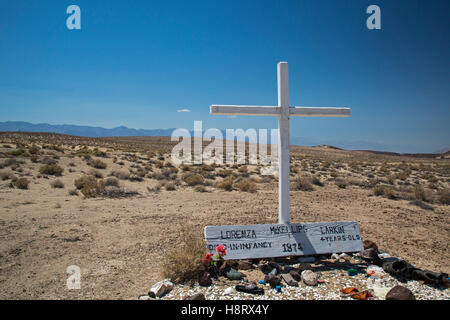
[[207, 259], [221, 250]]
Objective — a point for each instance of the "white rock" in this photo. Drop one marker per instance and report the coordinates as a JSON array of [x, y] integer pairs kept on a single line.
[[229, 291], [309, 278]]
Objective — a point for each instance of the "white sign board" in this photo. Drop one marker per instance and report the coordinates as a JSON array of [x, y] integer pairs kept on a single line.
[[278, 240]]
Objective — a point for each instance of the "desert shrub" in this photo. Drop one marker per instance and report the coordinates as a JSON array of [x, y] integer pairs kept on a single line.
[[96, 173], [48, 160], [18, 152], [52, 169], [303, 183], [73, 192], [200, 188], [112, 181], [170, 186], [98, 164], [193, 179], [243, 169], [116, 192], [419, 193], [402, 175], [93, 188], [341, 183], [444, 196], [34, 150], [224, 173], [183, 262], [135, 177], [316, 181], [57, 184], [226, 184], [21, 183], [247, 186], [34, 158], [82, 181], [5, 175], [155, 189], [378, 190], [121, 174], [185, 167]]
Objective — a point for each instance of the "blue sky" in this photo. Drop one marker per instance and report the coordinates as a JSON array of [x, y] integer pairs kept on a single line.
[[135, 63]]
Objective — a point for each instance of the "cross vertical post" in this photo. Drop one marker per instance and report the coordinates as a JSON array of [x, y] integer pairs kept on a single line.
[[283, 143]]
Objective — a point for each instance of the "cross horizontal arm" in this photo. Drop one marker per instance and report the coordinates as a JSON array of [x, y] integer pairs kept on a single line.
[[319, 112], [244, 110]]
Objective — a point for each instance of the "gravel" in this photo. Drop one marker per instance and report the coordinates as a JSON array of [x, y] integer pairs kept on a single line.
[[334, 279]]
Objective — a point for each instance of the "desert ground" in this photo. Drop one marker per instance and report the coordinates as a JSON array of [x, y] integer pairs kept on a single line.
[[112, 206]]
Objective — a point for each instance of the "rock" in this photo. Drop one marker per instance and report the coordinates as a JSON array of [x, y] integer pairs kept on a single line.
[[307, 259], [244, 265], [371, 255], [370, 244], [309, 278], [160, 288], [197, 296], [229, 291], [273, 280], [234, 275], [205, 280], [335, 256], [289, 280], [273, 272], [400, 293], [295, 274]]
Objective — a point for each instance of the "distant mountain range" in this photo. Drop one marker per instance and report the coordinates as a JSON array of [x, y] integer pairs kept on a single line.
[[83, 131], [96, 132]]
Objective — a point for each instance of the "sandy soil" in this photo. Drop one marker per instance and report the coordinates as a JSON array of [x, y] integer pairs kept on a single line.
[[118, 243]]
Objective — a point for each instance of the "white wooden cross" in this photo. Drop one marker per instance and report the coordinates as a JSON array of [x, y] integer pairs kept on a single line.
[[283, 111]]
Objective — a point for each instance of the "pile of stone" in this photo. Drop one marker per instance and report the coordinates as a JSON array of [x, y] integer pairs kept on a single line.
[[371, 274]]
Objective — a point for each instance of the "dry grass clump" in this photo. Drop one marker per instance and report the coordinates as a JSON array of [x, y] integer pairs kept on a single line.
[[226, 184], [21, 183], [247, 185], [225, 173], [386, 191], [444, 196], [303, 183], [419, 193], [98, 164], [51, 169], [183, 263], [200, 188], [92, 188], [342, 183], [120, 174], [5, 175], [73, 192], [193, 179], [96, 173], [57, 184], [111, 181]]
